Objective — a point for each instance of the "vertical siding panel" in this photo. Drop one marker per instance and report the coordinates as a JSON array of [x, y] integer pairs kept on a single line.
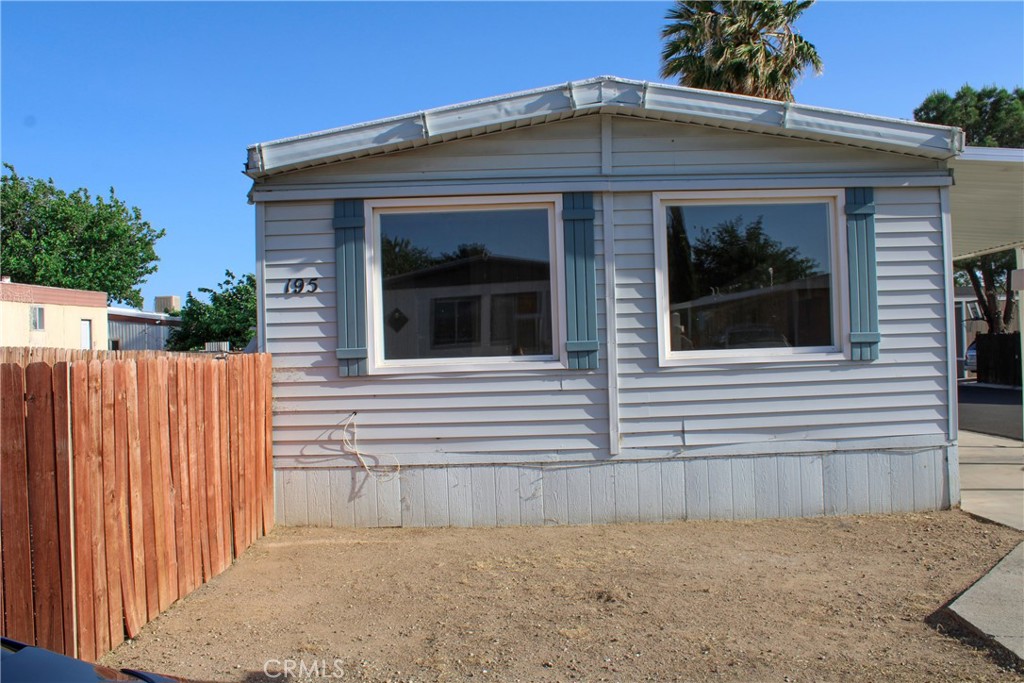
[[556, 492], [460, 502], [343, 508], [578, 487], [857, 486], [744, 504], [902, 477], [766, 487], [435, 496], [811, 486], [506, 495], [673, 490], [627, 493], [951, 468], [879, 483], [790, 495], [318, 482], [531, 496], [833, 468], [364, 494], [389, 500], [602, 493], [295, 497], [720, 488], [925, 495], [485, 512], [648, 476], [698, 503], [413, 508], [941, 478], [280, 514]]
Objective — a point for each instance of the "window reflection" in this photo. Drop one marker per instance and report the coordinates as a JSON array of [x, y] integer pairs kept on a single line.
[[749, 276], [469, 283]]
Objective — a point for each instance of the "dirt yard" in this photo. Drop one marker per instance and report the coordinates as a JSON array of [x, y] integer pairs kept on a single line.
[[837, 599]]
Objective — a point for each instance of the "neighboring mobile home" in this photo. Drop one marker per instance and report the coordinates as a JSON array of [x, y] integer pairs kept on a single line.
[[55, 317], [608, 300], [135, 330]]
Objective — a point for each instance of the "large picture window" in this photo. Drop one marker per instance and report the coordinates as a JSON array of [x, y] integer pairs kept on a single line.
[[455, 282], [748, 276]]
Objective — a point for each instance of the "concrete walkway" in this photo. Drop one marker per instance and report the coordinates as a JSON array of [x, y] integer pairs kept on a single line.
[[992, 487]]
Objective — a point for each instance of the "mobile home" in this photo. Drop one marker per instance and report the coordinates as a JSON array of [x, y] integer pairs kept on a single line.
[[608, 300]]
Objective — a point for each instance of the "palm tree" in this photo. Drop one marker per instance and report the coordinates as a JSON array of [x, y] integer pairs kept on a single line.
[[747, 47]]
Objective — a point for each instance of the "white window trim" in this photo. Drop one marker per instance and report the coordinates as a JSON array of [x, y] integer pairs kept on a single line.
[[840, 350], [378, 365]]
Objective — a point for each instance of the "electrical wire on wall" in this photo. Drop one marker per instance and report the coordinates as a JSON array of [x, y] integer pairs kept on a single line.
[[350, 444]]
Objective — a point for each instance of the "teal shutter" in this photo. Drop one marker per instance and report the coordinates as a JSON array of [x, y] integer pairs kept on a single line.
[[860, 245], [349, 249], [580, 281]]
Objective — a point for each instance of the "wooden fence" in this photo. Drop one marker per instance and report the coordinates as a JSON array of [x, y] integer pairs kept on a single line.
[[128, 480], [999, 358]]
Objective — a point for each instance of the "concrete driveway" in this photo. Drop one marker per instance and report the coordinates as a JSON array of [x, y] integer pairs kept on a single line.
[[992, 478], [992, 486]]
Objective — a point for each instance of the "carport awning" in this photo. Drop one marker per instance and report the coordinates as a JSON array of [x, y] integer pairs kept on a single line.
[[987, 200]]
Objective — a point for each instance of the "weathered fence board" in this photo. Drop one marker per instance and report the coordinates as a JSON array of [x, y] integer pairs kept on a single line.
[[65, 535], [14, 519], [83, 501], [42, 494], [164, 461]]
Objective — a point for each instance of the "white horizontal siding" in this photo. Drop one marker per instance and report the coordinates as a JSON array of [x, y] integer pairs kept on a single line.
[[849, 483], [561, 148], [502, 412], [657, 148], [707, 404]]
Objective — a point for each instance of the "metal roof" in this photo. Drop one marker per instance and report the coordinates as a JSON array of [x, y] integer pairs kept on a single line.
[[142, 316], [603, 95], [987, 200]]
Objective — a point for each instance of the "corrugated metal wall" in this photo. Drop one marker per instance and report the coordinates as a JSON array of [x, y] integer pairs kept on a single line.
[[137, 336]]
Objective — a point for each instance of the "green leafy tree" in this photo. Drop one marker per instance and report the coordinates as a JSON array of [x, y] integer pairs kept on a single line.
[[230, 315], [730, 257], [989, 117], [748, 47], [989, 275], [60, 239]]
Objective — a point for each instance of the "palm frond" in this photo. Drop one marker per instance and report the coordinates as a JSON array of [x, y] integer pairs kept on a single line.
[[747, 47]]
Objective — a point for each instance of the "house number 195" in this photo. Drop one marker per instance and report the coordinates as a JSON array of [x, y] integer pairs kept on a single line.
[[300, 286]]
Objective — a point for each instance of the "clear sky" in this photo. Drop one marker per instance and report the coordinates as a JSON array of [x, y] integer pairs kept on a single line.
[[160, 100]]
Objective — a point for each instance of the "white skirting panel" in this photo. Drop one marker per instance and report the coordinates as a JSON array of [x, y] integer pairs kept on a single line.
[[749, 487]]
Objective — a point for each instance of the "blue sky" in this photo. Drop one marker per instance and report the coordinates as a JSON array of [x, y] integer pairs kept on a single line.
[[160, 100]]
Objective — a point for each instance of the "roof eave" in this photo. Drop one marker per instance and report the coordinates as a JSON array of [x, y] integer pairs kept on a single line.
[[604, 94]]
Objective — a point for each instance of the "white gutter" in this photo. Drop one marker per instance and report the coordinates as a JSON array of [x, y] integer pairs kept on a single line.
[[605, 94]]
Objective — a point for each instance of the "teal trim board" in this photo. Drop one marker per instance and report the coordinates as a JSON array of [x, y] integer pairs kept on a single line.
[[860, 244], [349, 250], [580, 280]]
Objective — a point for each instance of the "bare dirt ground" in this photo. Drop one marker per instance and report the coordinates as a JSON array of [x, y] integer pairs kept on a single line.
[[838, 599]]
